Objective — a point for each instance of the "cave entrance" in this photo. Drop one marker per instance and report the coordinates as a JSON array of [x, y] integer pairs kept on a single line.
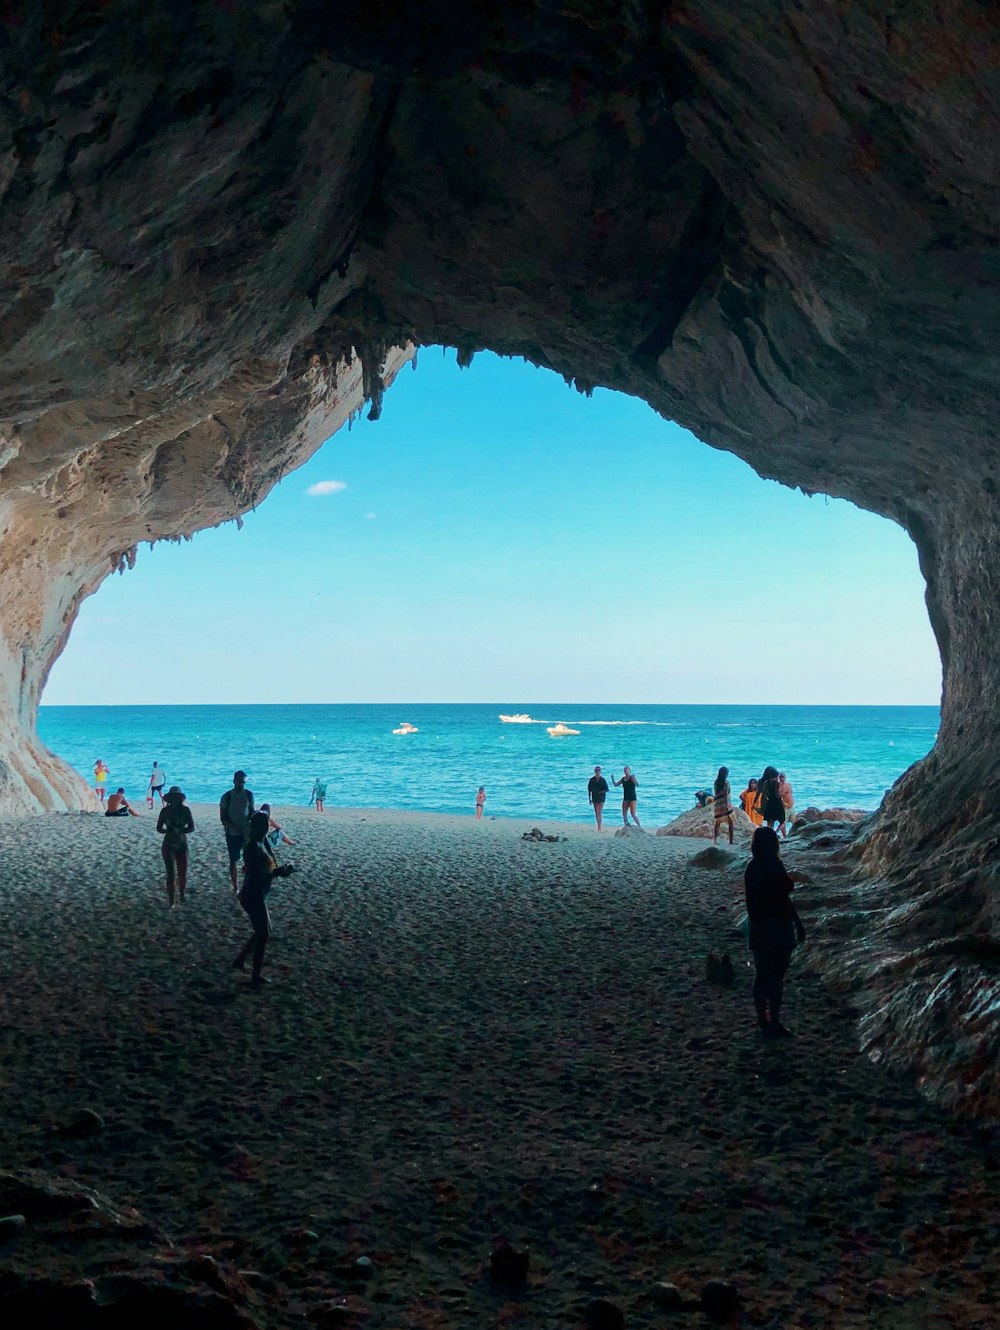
[[498, 538]]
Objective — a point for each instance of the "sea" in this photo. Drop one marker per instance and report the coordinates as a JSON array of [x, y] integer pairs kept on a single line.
[[833, 756]]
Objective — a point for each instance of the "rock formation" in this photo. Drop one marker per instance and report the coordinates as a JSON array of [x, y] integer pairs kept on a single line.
[[776, 223]]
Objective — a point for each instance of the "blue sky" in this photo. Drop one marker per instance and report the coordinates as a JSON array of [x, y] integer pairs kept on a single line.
[[498, 537]]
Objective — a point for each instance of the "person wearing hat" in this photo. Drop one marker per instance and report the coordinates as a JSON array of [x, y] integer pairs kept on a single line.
[[259, 869], [174, 824]]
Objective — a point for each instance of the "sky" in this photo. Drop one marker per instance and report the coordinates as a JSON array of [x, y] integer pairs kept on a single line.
[[498, 537]]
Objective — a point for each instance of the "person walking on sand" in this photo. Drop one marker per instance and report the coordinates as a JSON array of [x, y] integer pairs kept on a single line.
[[118, 805], [157, 780], [774, 928], [276, 832], [480, 802], [235, 812], [597, 792], [787, 797], [629, 783], [100, 778], [769, 800], [175, 824], [318, 796], [722, 807], [259, 870], [749, 801]]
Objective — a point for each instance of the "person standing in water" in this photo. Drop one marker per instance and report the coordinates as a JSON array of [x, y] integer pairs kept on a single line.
[[157, 780], [629, 783], [722, 807], [259, 870], [100, 778], [597, 793], [174, 824], [774, 928], [235, 812], [318, 796], [480, 802]]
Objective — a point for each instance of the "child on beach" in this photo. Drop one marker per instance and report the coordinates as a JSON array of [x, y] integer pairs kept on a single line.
[[174, 824], [480, 802]]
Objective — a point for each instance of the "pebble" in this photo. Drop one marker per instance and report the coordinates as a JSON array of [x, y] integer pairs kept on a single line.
[[82, 1122], [720, 1299], [11, 1228], [508, 1265], [604, 1315], [667, 1295]]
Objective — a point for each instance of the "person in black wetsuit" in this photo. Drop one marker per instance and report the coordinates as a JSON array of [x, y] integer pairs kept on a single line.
[[597, 792], [774, 928], [628, 782], [259, 869]]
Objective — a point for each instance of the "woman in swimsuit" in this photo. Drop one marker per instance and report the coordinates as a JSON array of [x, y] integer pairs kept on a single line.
[[722, 806]]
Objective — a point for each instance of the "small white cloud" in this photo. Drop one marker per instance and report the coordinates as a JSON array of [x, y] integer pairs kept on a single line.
[[326, 487]]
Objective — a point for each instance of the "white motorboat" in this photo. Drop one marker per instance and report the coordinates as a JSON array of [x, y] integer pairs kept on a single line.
[[406, 728], [519, 718], [560, 731]]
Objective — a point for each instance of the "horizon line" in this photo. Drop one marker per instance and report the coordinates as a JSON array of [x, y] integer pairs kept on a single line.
[[774, 706]]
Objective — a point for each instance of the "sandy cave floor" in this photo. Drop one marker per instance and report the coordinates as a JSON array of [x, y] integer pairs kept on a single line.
[[469, 1037]]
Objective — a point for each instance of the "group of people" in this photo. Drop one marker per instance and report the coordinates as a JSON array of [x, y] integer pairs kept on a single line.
[[768, 802], [598, 790], [116, 805]]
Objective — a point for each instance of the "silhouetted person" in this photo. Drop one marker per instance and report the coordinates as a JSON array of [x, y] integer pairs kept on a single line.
[[597, 792], [259, 870], [722, 807], [174, 824], [235, 812], [769, 799], [774, 928]]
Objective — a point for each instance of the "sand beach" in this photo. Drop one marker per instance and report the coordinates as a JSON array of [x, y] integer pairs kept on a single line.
[[468, 1038]]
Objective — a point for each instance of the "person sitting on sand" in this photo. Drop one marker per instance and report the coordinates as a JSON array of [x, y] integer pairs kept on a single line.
[[259, 870], [118, 805], [749, 801], [174, 824], [235, 812], [769, 799], [723, 808], [597, 792], [276, 833], [702, 798], [628, 782], [318, 796], [480, 802], [100, 778], [774, 926]]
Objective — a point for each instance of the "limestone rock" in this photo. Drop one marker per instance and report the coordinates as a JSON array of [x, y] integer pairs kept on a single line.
[[630, 830], [700, 822], [713, 857]]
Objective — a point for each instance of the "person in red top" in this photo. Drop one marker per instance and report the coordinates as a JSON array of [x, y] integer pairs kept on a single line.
[[774, 928]]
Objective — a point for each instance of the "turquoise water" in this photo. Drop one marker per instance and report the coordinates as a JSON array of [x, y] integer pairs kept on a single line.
[[833, 756]]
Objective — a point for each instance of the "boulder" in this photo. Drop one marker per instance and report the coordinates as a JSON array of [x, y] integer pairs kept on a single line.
[[700, 822]]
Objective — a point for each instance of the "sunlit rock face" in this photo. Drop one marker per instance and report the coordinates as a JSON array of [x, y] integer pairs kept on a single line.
[[776, 223]]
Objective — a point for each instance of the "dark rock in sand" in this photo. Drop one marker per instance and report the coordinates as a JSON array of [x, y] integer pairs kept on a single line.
[[604, 1315], [509, 1265], [719, 969], [81, 1123], [720, 1300], [713, 857], [667, 1296], [363, 1269], [11, 1228]]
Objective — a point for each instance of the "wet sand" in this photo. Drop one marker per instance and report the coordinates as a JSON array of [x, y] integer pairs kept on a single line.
[[469, 1037]]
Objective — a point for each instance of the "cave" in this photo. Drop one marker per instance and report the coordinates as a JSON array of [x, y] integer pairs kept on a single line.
[[227, 227]]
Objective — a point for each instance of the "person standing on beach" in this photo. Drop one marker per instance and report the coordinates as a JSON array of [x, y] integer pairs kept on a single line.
[[597, 792], [769, 799], [318, 796], [100, 778], [157, 780], [235, 812], [259, 870], [722, 807], [629, 783], [787, 797], [480, 802], [774, 928], [749, 801], [174, 824]]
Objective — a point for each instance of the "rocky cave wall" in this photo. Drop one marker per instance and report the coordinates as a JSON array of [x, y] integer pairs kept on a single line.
[[777, 223]]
